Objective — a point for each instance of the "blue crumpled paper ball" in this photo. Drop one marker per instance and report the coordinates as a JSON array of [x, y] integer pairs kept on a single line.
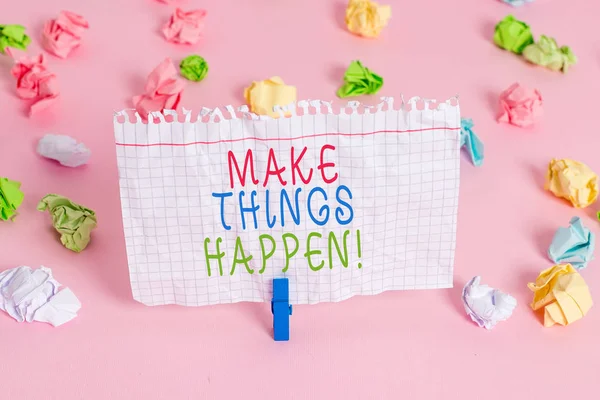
[[471, 141], [573, 245]]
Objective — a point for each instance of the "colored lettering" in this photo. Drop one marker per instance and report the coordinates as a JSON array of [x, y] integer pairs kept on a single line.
[[252, 209], [324, 165], [249, 160], [296, 215], [337, 249], [216, 256], [264, 255], [240, 258], [222, 196], [339, 212], [333, 242], [296, 167], [289, 254], [359, 247], [297, 174], [309, 253], [273, 169], [323, 210], [270, 223]]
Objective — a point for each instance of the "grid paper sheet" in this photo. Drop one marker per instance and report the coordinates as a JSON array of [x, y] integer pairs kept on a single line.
[[389, 201]]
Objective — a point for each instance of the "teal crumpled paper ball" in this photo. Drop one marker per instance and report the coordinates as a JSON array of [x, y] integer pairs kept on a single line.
[[471, 141]]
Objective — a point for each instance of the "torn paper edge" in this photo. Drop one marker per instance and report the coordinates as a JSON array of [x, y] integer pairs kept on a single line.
[[299, 108]]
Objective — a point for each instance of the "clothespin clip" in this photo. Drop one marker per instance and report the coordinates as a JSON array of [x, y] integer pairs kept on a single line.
[[281, 309]]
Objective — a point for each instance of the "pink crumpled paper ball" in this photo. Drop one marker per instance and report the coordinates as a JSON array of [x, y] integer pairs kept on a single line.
[[185, 27], [163, 90], [34, 81], [63, 34], [520, 106]]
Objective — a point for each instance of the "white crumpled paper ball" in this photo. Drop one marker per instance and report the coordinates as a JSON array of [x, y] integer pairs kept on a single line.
[[63, 149], [485, 305]]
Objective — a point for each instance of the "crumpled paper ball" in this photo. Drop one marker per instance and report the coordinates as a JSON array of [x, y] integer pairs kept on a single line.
[[193, 68], [520, 106], [562, 293], [572, 180], [546, 53], [185, 27], [262, 96], [517, 3], [512, 35], [13, 36], [11, 198], [35, 82], [29, 295], [367, 18], [485, 305], [470, 140], [73, 221], [163, 90], [573, 245], [359, 80], [63, 35], [63, 149]]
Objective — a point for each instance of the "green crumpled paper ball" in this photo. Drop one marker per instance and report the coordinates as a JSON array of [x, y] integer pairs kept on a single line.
[[11, 198], [74, 222], [512, 35], [359, 80], [13, 36], [546, 53], [194, 68]]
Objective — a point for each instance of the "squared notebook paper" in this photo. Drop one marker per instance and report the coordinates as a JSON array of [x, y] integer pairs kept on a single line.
[[355, 201]]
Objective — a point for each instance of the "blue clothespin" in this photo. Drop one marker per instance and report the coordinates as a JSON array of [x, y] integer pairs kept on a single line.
[[281, 309]]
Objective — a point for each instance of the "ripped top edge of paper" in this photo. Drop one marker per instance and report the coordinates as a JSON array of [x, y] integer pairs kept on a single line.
[[302, 107]]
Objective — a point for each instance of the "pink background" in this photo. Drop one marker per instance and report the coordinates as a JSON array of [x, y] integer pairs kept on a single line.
[[413, 345]]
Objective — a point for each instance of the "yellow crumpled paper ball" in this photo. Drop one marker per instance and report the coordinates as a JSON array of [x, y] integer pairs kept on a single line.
[[367, 18], [562, 293], [573, 181], [262, 96]]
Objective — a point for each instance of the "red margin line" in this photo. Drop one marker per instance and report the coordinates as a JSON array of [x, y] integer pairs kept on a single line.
[[280, 139]]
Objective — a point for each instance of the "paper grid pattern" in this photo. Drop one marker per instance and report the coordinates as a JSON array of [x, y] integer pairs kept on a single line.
[[402, 167]]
